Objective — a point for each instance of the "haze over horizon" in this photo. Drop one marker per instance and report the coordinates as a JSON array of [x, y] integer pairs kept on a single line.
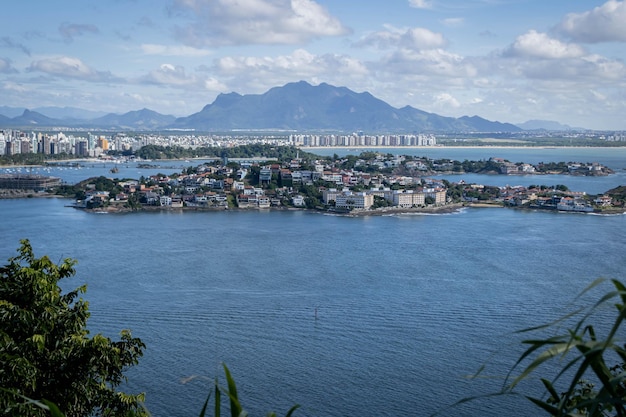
[[509, 61]]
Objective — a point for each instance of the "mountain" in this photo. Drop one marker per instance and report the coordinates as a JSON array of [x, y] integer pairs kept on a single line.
[[302, 106], [11, 112], [68, 113], [297, 106], [135, 120], [544, 125], [33, 118], [61, 113]]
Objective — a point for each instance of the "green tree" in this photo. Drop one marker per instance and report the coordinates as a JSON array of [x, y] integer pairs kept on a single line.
[[46, 352], [380, 202]]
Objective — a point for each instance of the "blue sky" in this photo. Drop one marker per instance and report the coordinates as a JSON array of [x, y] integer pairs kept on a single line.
[[505, 60]]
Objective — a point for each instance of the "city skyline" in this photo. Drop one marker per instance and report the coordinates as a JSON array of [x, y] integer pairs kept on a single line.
[[508, 61]]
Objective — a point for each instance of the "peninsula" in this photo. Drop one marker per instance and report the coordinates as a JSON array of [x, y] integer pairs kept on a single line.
[[371, 183]]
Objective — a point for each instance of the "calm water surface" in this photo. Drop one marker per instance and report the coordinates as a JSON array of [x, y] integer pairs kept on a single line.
[[407, 306], [345, 316]]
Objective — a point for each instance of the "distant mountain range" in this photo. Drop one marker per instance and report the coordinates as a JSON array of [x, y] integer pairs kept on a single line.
[[296, 106], [546, 125]]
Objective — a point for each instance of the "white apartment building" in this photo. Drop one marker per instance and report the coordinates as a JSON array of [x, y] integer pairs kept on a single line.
[[350, 200], [408, 198], [438, 194]]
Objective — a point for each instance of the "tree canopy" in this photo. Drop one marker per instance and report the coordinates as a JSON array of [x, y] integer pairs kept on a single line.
[[46, 352]]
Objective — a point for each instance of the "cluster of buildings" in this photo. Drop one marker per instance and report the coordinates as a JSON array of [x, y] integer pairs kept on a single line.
[[419, 197], [14, 142], [520, 196], [278, 185], [573, 168], [360, 139]]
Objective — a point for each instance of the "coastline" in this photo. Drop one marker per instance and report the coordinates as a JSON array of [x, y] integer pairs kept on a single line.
[[304, 148], [384, 211]]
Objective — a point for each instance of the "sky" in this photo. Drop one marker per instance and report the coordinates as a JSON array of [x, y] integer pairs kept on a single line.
[[504, 60]]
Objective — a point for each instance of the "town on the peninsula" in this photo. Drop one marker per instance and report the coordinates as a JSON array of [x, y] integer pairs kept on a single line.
[[270, 173]]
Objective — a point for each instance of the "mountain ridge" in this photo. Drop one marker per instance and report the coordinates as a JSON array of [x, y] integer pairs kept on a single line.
[[296, 106], [301, 106]]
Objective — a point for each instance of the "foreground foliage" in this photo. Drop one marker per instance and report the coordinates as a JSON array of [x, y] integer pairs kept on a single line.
[[591, 377], [588, 356], [230, 391], [46, 353], [236, 410]]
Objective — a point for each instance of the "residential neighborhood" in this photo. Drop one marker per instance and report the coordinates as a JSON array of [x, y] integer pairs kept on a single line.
[[369, 183]]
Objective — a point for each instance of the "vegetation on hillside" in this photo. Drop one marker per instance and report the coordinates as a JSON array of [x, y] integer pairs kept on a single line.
[[32, 158], [618, 193], [282, 153]]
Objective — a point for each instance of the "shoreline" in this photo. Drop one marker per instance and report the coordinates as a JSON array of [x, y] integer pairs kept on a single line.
[[305, 148], [384, 211]]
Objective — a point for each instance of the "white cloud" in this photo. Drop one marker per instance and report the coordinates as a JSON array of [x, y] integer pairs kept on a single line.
[[16, 88], [539, 45], [175, 76], [536, 56], [168, 50], [598, 96], [420, 4], [299, 64], [69, 67], [606, 69], [606, 23], [6, 67], [453, 21], [227, 22], [444, 100], [430, 63], [258, 74], [412, 38]]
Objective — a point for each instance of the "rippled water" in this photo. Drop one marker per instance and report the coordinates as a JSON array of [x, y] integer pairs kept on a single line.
[[345, 316]]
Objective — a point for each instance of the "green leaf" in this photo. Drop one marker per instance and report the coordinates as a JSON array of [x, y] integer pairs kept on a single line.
[[292, 410], [54, 410], [206, 404], [235, 406], [548, 385], [545, 406], [218, 399]]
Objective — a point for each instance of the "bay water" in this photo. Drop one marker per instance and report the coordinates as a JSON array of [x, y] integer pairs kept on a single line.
[[347, 316]]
